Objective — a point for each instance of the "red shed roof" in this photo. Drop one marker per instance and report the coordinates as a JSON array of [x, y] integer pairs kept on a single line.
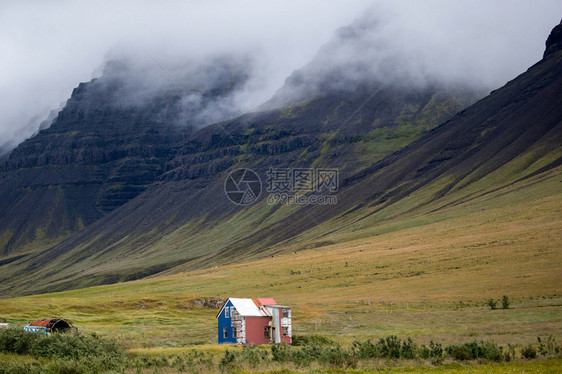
[[41, 322], [56, 323]]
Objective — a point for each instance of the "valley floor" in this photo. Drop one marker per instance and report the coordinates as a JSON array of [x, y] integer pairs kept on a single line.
[[431, 281], [428, 282]]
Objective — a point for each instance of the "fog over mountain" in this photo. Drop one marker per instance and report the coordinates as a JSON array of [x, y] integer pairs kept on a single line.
[[49, 47]]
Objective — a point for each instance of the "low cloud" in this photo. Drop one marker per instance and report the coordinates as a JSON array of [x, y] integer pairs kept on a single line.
[[470, 44], [49, 47]]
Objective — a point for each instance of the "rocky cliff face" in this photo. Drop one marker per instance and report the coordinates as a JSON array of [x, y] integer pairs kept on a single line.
[[102, 149], [344, 130], [554, 41]]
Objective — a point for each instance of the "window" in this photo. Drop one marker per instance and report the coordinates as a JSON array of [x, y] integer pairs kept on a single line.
[[285, 313], [226, 312], [234, 332], [266, 332], [232, 311], [225, 332], [285, 331]]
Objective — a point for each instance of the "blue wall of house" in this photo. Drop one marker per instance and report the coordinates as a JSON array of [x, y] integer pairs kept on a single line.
[[225, 322]]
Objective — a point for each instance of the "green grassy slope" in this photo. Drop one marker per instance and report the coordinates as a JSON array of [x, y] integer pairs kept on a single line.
[[428, 279], [186, 216]]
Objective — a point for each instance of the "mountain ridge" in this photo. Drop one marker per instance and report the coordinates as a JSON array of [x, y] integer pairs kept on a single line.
[[184, 221]]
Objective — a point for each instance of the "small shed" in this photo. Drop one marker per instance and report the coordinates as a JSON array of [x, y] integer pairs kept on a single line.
[[48, 326], [254, 321]]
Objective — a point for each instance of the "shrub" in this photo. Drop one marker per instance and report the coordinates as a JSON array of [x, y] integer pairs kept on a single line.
[[409, 349], [15, 340], [365, 349], [505, 302], [228, 359], [34, 367], [435, 349], [280, 352], [434, 352], [548, 348], [529, 352], [423, 352], [492, 303], [389, 347], [462, 352], [254, 356], [302, 357], [74, 352], [491, 351], [474, 350], [338, 357]]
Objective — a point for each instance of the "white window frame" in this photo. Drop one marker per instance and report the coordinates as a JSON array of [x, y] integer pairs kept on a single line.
[[232, 311], [285, 329], [227, 312]]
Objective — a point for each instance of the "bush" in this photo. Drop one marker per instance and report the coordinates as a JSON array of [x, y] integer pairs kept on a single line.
[[409, 349], [16, 340], [474, 350], [492, 303], [491, 351], [505, 302], [389, 347], [280, 352], [463, 352], [364, 350], [228, 359], [302, 357], [529, 352], [34, 367], [74, 352], [548, 348], [254, 356], [338, 357], [434, 352]]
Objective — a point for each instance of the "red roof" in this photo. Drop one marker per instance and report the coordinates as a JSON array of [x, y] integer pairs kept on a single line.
[[41, 322], [267, 301]]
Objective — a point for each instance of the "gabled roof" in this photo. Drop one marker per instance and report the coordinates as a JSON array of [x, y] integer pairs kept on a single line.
[[247, 308], [250, 307]]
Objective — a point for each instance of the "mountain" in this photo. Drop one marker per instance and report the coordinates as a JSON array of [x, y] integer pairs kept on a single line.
[[111, 140], [397, 167]]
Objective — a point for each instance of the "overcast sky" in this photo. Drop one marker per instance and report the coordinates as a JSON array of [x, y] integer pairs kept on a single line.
[[48, 47]]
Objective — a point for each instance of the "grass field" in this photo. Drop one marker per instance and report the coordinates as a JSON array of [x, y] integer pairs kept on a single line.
[[430, 281], [427, 276]]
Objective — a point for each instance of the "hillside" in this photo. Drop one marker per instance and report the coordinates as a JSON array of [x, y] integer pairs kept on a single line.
[[390, 180], [101, 152], [430, 282]]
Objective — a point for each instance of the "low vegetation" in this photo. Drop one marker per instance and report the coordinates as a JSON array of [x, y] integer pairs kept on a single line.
[[70, 353], [79, 353]]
